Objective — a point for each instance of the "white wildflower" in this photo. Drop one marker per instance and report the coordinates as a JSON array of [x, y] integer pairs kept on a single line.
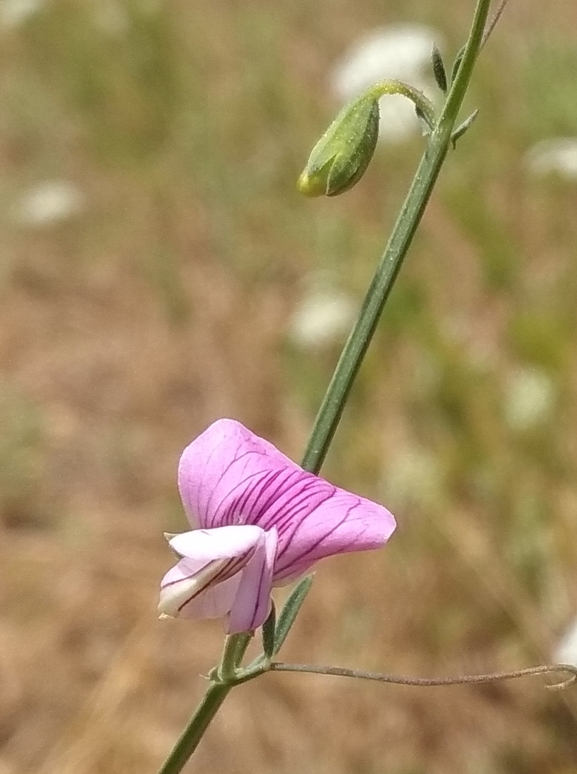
[[13, 13], [529, 398], [556, 156], [413, 476], [400, 52], [324, 315], [50, 202]]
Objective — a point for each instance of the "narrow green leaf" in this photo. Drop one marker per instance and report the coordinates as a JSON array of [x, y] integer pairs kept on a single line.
[[457, 64], [460, 130], [439, 70], [290, 611], [268, 633]]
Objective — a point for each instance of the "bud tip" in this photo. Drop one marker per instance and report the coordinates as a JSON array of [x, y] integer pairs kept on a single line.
[[310, 185]]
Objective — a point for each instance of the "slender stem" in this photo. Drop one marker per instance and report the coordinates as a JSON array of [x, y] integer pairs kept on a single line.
[[424, 682], [233, 652], [409, 218], [234, 649], [417, 97], [194, 731]]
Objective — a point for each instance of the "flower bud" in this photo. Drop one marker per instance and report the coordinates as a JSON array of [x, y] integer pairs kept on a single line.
[[341, 156]]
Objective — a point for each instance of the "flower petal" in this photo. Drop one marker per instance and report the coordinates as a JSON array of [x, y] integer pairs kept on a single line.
[[209, 557], [218, 464], [328, 521], [251, 605], [213, 602], [230, 476], [184, 584], [207, 545]]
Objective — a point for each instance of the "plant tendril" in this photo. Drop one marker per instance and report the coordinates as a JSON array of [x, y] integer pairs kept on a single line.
[[423, 682]]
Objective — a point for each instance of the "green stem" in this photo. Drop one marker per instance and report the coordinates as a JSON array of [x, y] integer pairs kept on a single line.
[[409, 218], [417, 97], [194, 731], [234, 649]]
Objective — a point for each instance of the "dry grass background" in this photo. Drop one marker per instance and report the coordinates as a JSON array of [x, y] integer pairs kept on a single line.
[[166, 303]]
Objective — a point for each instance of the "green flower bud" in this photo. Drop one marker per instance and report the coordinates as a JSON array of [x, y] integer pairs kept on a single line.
[[341, 156]]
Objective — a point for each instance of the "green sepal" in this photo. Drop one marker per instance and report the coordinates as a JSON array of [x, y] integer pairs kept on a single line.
[[268, 632], [341, 156], [457, 64], [290, 611]]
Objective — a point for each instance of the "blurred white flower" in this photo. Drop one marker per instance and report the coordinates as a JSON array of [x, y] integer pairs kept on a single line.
[[529, 399], [566, 650], [400, 51], [50, 202], [16, 12], [555, 156], [413, 476], [324, 315]]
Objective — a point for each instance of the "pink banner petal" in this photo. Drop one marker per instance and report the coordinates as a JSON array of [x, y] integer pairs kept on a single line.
[[225, 456], [230, 476]]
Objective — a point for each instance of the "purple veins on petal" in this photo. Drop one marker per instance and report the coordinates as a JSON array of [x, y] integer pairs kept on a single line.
[[225, 456], [182, 584], [213, 602], [208, 558], [262, 521], [251, 604]]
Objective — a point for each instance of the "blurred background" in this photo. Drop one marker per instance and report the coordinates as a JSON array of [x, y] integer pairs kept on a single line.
[[159, 270]]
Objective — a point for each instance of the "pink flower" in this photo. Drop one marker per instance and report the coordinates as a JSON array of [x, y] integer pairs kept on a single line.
[[259, 520]]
